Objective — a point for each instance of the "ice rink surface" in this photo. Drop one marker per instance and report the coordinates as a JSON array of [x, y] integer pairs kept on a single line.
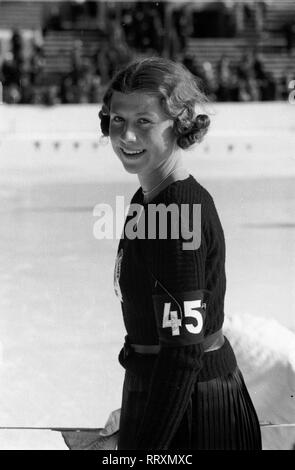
[[60, 325]]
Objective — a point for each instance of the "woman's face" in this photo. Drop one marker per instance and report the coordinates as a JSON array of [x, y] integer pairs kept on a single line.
[[141, 133]]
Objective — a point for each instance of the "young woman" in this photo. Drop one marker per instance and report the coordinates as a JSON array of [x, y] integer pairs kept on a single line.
[[182, 388]]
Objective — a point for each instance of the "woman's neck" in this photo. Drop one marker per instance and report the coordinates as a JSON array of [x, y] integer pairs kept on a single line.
[[155, 181]]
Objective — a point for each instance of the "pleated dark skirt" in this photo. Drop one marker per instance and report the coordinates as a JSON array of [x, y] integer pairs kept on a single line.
[[221, 415]]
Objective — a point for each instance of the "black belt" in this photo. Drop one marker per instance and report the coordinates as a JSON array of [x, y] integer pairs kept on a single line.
[[210, 343]]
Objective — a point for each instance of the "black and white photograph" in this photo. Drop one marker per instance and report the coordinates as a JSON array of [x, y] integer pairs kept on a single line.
[[147, 236]]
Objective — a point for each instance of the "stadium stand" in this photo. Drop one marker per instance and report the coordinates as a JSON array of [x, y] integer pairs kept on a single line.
[[274, 55], [73, 45], [21, 15]]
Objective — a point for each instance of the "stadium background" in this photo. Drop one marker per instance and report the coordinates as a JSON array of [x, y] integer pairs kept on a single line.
[[60, 325], [66, 52]]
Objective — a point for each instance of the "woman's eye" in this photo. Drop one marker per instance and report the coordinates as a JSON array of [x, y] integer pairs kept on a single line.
[[117, 119], [143, 121]]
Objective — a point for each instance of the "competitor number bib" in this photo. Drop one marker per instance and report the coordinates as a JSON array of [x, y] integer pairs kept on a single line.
[[180, 317]]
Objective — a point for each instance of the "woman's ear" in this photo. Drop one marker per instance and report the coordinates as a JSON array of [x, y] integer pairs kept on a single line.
[[104, 123]]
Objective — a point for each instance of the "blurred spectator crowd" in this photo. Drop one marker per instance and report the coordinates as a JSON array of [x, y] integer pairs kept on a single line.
[[139, 30], [243, 80]]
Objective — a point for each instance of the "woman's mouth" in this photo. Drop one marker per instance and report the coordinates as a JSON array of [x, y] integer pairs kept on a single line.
[[132, 153]]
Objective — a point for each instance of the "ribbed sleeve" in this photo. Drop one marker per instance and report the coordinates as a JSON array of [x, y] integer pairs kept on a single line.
[[172, 384]]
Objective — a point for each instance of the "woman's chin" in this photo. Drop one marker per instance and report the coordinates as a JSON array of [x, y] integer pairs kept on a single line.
[[131, 171], [131, 168]]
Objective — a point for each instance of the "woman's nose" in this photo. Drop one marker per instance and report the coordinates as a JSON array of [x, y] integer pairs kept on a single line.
[[129, 135]]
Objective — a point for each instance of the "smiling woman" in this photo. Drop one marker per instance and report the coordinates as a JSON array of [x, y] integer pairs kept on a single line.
[[140, 131], [182, 387], [149, 111]]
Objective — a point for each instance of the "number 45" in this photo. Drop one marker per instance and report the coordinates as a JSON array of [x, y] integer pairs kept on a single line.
[[171, 320]]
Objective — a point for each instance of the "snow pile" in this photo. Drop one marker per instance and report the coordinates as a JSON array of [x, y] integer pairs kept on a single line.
[[265, 351]]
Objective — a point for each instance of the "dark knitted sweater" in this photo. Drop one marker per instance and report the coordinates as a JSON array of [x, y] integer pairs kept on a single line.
[[174, 371]]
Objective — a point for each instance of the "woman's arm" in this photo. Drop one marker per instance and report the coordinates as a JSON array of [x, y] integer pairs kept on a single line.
[[170, 390]]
